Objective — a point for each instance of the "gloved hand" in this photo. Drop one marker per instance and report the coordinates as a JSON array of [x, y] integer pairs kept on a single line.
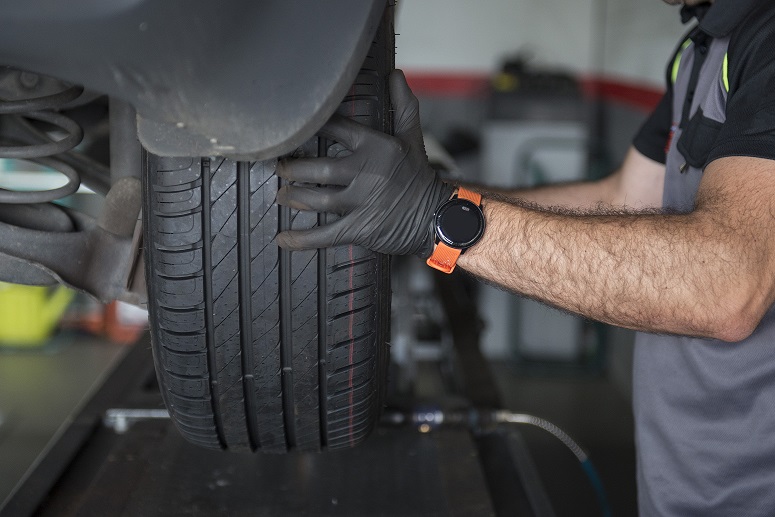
[[385, 191]]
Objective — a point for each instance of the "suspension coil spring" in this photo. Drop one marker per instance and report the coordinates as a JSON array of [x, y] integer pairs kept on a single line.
[[38, 146]]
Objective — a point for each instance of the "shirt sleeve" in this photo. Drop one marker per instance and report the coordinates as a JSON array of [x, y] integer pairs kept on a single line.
[[652, 138], [749, 129]]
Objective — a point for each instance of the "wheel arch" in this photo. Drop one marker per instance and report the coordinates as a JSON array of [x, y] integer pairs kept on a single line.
[[159, 56]]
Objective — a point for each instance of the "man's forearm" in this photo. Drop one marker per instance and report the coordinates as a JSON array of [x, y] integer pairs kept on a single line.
[[575, 195], [660, 273], [636, 185]]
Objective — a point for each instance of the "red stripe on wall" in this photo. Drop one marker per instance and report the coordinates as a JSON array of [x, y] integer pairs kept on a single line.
[[640, 97], [644, 98], [448, 84]]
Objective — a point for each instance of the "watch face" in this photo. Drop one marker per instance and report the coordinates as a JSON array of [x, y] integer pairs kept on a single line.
[[459, 223]]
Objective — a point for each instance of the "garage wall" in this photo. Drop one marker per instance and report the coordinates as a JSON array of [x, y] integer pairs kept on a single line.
[[473, 35], [450, 48], [640, 37], [629, 39]]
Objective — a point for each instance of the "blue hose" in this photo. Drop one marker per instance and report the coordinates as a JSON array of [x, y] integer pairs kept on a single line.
[[597, 484]]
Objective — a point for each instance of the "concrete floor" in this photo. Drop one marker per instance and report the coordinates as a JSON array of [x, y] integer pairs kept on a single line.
[[597, 415], [39, 390]]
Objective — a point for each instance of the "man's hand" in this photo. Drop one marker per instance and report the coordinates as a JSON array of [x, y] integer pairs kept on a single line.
[[385, 191]]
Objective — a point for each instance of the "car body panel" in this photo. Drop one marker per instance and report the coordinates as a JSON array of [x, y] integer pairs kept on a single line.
[[248, 79]]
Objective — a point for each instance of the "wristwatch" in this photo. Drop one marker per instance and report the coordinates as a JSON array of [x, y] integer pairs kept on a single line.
[[459, 224]]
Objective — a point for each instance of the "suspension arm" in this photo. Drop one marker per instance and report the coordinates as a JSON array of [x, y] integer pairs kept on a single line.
[[99, 258]]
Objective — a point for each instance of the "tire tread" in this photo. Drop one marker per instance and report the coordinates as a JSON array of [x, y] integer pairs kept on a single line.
[[259, 348]]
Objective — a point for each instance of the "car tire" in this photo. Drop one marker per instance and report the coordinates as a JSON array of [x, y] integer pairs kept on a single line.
[[258, 348]]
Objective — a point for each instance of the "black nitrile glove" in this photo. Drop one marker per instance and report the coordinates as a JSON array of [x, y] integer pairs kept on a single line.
[[385, 191]]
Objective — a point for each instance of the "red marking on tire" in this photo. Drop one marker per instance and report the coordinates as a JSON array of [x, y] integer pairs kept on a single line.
[[351, 301]]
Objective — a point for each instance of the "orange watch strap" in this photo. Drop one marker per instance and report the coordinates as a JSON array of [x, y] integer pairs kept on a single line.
[[474, 197], [445, 258]]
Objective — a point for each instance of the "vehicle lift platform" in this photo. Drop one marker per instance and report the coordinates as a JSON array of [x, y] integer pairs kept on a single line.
[[122, 456]]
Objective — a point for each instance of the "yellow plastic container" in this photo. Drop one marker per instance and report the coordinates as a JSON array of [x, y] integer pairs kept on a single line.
[[29, 314]]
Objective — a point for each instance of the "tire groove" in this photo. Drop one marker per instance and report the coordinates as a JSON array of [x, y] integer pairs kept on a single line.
[[352, 312], [210, 331], [181, 352], [175, 189], [304, 269], [348, 292], [229, 388], [177, 278], [261, 219], [361, 410], [184, 334], [245, 303], [225, 318], [186, 414], [304, 323], [355, 263], [322, 282], [356, 364], [231, 360], [189, 398], [306, 297], [286, 332], [269, 306], [258, 338], [177, 249], [226, 221], [225, 255], [276, 265], [346, 342], [183, 377], [187, 310], [173, 215]]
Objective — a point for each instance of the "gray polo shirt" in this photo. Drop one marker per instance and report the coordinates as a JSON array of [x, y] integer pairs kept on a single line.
[[705, 409]]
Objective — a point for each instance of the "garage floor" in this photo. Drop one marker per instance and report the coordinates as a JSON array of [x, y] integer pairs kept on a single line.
[[595, 414], [38, 390]]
